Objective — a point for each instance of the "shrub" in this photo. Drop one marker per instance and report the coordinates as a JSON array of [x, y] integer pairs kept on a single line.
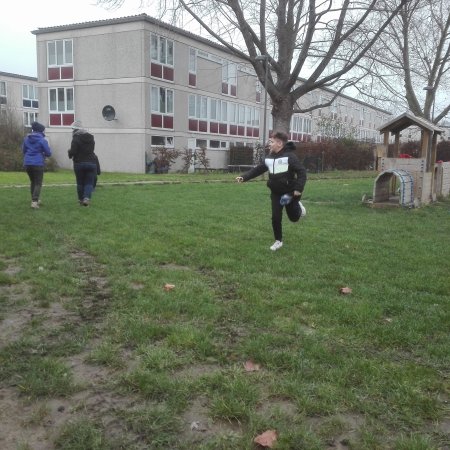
[[11, 136], [443, 151], [412, 148], [164, 158], [336, 154]]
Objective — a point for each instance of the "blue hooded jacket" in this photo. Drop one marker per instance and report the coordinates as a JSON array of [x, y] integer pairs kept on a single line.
[[35, 149]]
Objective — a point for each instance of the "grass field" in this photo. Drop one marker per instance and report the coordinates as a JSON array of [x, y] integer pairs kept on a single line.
[[97, 353]]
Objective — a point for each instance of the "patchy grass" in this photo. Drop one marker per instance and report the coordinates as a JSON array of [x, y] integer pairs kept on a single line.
[[93, 343]]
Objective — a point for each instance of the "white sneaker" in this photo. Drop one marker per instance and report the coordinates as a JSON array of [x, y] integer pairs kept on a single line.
[[35, 205], [302, 209], [276, 245]]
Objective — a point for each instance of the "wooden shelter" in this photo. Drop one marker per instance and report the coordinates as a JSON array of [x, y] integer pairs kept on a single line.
[[409, 181]]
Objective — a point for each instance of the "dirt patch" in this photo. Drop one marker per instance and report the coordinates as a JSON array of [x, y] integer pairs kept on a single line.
[[35, 423]]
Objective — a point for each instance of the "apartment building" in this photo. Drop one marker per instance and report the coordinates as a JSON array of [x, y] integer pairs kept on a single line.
[[137, 83], [19, 96]]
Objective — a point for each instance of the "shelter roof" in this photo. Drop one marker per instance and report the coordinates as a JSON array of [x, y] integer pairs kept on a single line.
[[406, 120]]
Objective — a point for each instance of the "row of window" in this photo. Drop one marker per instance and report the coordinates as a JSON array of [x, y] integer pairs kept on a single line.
[[168, 142], [60, 64], [29, 95]]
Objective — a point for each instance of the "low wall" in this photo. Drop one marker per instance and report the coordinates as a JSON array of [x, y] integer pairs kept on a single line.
[[442, 181]]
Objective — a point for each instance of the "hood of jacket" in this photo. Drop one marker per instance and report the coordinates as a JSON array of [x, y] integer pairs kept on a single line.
[[83, 136], [289, 147]]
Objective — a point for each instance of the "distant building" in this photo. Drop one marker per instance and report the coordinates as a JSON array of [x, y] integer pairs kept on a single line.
[[19, 96], [158, 85]]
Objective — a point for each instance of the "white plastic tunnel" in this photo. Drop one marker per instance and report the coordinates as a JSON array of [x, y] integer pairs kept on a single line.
[[394, 186]]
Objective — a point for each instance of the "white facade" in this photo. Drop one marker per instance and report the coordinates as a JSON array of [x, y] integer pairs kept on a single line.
[[167, 87]]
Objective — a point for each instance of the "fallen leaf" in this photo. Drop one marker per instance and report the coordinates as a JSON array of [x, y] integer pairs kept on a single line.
[[345, 290], [169, 287], [266, 439], [250, 366], [198, 426]]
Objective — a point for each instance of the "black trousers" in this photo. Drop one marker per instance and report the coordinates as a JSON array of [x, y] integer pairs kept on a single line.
[[36, 176], [293, 212]]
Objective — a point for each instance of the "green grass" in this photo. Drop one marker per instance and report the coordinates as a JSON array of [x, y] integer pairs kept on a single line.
[[369, 369]]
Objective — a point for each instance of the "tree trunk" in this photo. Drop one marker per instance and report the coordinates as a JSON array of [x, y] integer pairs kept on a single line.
[[282, 110]]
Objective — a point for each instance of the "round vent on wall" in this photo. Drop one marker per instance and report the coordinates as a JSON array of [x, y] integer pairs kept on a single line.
[[108, 113]]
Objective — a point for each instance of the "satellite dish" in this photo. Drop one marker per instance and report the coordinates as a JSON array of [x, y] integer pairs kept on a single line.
[[108, 113]]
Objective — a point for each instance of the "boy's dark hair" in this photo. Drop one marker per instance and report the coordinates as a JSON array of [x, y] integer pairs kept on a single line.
[[281, 135]]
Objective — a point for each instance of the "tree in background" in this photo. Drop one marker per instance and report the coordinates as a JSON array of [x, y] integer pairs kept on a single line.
[[334, 128], [320, 42], [413, 53]]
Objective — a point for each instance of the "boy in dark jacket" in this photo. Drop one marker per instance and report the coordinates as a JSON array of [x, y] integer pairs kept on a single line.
[[35, 149], [287, 178]]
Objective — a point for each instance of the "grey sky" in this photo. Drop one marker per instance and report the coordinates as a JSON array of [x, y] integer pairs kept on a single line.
[[20, 17]]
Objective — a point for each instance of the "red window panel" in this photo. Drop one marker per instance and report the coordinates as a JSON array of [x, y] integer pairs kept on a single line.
[[67, 73], [213, 127], [241, 130], [168, 122], [157, 120], [258, 97], [156, 70], [249, 131], [55, 119], [222, 128], [233, 130], [168, 73], [203, 126], [68, 119], [224, 88], [192, 79], [256, 132], [233, 90], [193, 125], [53, 73]]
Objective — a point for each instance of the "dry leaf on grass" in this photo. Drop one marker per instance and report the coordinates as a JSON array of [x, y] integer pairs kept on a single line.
[[198, 426], [345, 290], [169, 287], [266, 439], [250, 366]]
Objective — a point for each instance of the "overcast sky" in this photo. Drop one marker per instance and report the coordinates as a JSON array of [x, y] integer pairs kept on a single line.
[[20, 17]]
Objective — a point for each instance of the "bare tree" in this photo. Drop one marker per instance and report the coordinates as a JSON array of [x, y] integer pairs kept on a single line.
[[317, 42], [412, 54]]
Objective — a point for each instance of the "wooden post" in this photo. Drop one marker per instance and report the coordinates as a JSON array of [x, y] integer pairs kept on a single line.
[[396, 145]]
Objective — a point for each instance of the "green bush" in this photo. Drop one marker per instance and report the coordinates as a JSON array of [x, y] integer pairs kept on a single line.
[[336, 154]]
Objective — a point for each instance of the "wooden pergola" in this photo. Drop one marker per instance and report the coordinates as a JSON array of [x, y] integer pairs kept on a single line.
[[429, 134]]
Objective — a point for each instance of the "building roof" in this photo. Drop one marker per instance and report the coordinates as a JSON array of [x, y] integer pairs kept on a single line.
[[137, 18], [15, 75], [406, 120]]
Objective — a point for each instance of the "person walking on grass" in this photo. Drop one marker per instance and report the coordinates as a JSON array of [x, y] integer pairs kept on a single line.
[[287, 179], [84, 162], [35, 149]]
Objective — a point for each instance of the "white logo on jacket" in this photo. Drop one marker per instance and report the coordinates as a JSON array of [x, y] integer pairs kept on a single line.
[[277, 165]]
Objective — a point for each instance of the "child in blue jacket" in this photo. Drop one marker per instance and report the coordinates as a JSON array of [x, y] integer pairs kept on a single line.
[[35, 149]]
